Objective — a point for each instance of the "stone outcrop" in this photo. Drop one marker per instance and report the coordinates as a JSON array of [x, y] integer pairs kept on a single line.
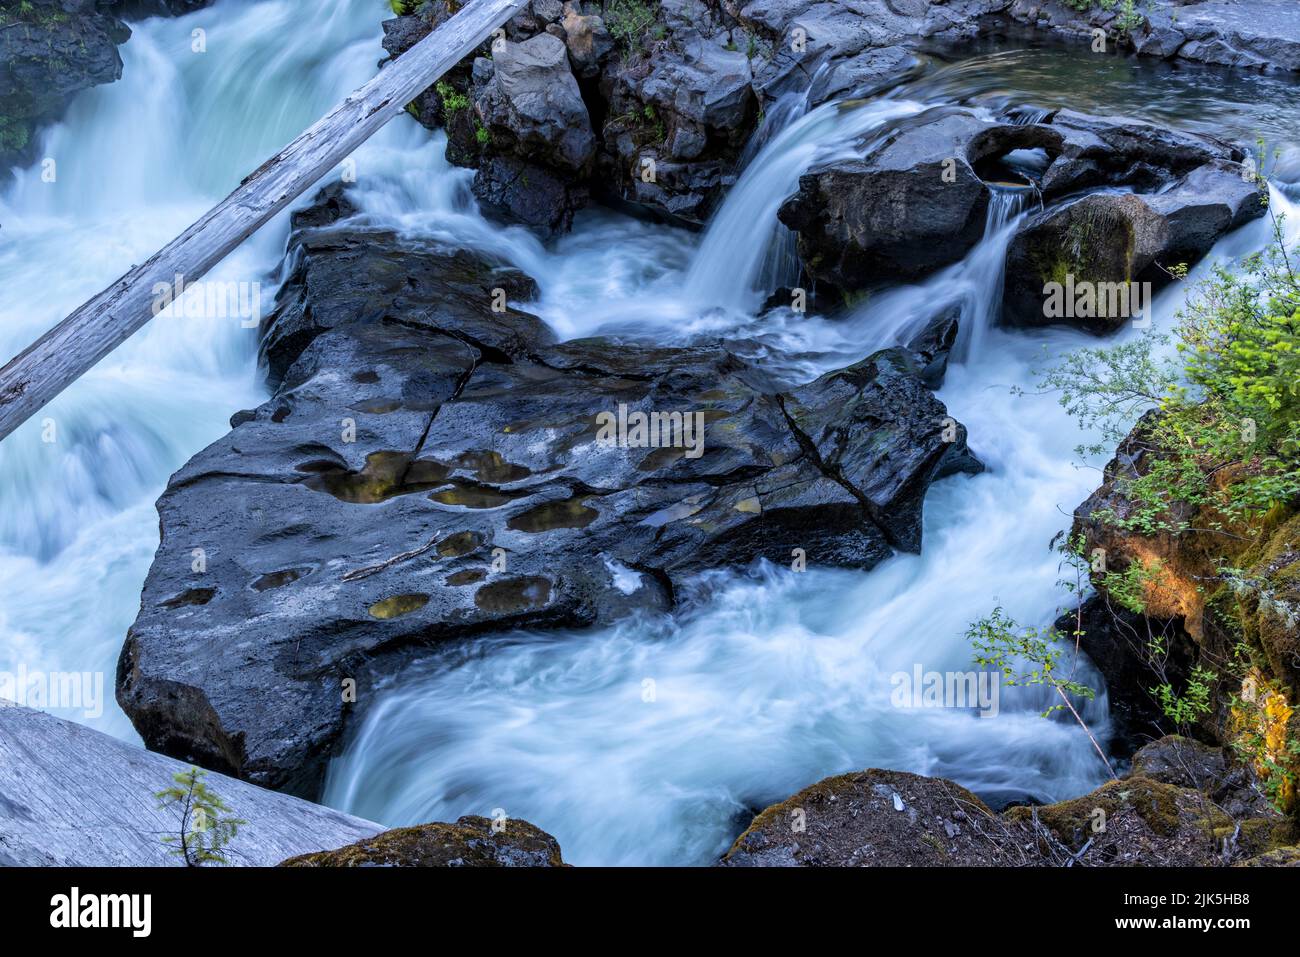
[[429, 469], [913, 203], [1098, 246], [672, 91], [1218, 592], [50, 50]]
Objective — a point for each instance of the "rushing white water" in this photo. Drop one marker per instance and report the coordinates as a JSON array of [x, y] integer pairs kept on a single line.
[[771, 682], [136, 162], [781, 679]]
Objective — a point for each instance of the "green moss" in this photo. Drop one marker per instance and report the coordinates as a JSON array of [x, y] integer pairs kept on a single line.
[[1156, 803], [14, 134]]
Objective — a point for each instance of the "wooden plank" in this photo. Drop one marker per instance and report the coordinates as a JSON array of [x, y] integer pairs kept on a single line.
[[61, 355], [71, 796]]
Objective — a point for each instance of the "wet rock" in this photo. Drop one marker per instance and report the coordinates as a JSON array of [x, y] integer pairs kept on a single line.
[[1104, 242], [1117, 640], [901, 437], [932, 346], [50, 50], [348, 274], [410, 483], [864, 74], [910, 205], [470, 842], [1114, 151]]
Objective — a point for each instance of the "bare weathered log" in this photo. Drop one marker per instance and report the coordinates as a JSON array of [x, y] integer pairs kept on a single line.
[[71, 796], [60, 356]]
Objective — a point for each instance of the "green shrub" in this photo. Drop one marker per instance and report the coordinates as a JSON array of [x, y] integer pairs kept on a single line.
[[1226, 439], [205, 829], [628, 21]]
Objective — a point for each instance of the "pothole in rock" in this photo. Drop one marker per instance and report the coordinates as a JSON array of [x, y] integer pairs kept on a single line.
[[570, 513], [397, 606], [386, 475]]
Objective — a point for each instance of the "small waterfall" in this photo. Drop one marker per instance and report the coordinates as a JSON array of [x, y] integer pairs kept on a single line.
[[986, 266], [745, 253]]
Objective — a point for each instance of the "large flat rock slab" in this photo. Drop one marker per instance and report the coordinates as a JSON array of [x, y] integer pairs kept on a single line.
[[73, 797]]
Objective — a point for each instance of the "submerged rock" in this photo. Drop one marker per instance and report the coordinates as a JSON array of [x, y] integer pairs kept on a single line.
[[470, 842]]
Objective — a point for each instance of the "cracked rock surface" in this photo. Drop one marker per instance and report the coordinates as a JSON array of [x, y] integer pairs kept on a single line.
[[410, 483]]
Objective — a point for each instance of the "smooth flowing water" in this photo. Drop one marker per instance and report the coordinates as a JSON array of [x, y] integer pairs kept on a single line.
[[648, 742]]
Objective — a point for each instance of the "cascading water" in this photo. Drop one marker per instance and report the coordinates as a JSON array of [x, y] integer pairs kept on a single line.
[[772, 681], [135, 163]]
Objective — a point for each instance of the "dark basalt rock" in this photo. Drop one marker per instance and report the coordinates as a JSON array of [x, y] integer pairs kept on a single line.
[[932, 346], [470, 842], [50, 50], [911, 204], [411, 482], [349, 274], [916, 199], [1107, 239]]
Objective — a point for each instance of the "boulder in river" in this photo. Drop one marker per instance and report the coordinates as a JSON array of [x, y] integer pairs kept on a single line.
[[916, 199], [1096, 262], [1160, 815], [470, 842], [911, 204], [420, 476], [50, 50]]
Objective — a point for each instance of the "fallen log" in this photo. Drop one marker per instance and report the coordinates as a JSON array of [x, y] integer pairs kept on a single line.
[[71, 796], [48, 366]]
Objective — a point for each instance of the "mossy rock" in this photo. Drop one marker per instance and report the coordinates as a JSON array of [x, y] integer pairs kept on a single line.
[[878, 818], [1279, 857], [470, 842]]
